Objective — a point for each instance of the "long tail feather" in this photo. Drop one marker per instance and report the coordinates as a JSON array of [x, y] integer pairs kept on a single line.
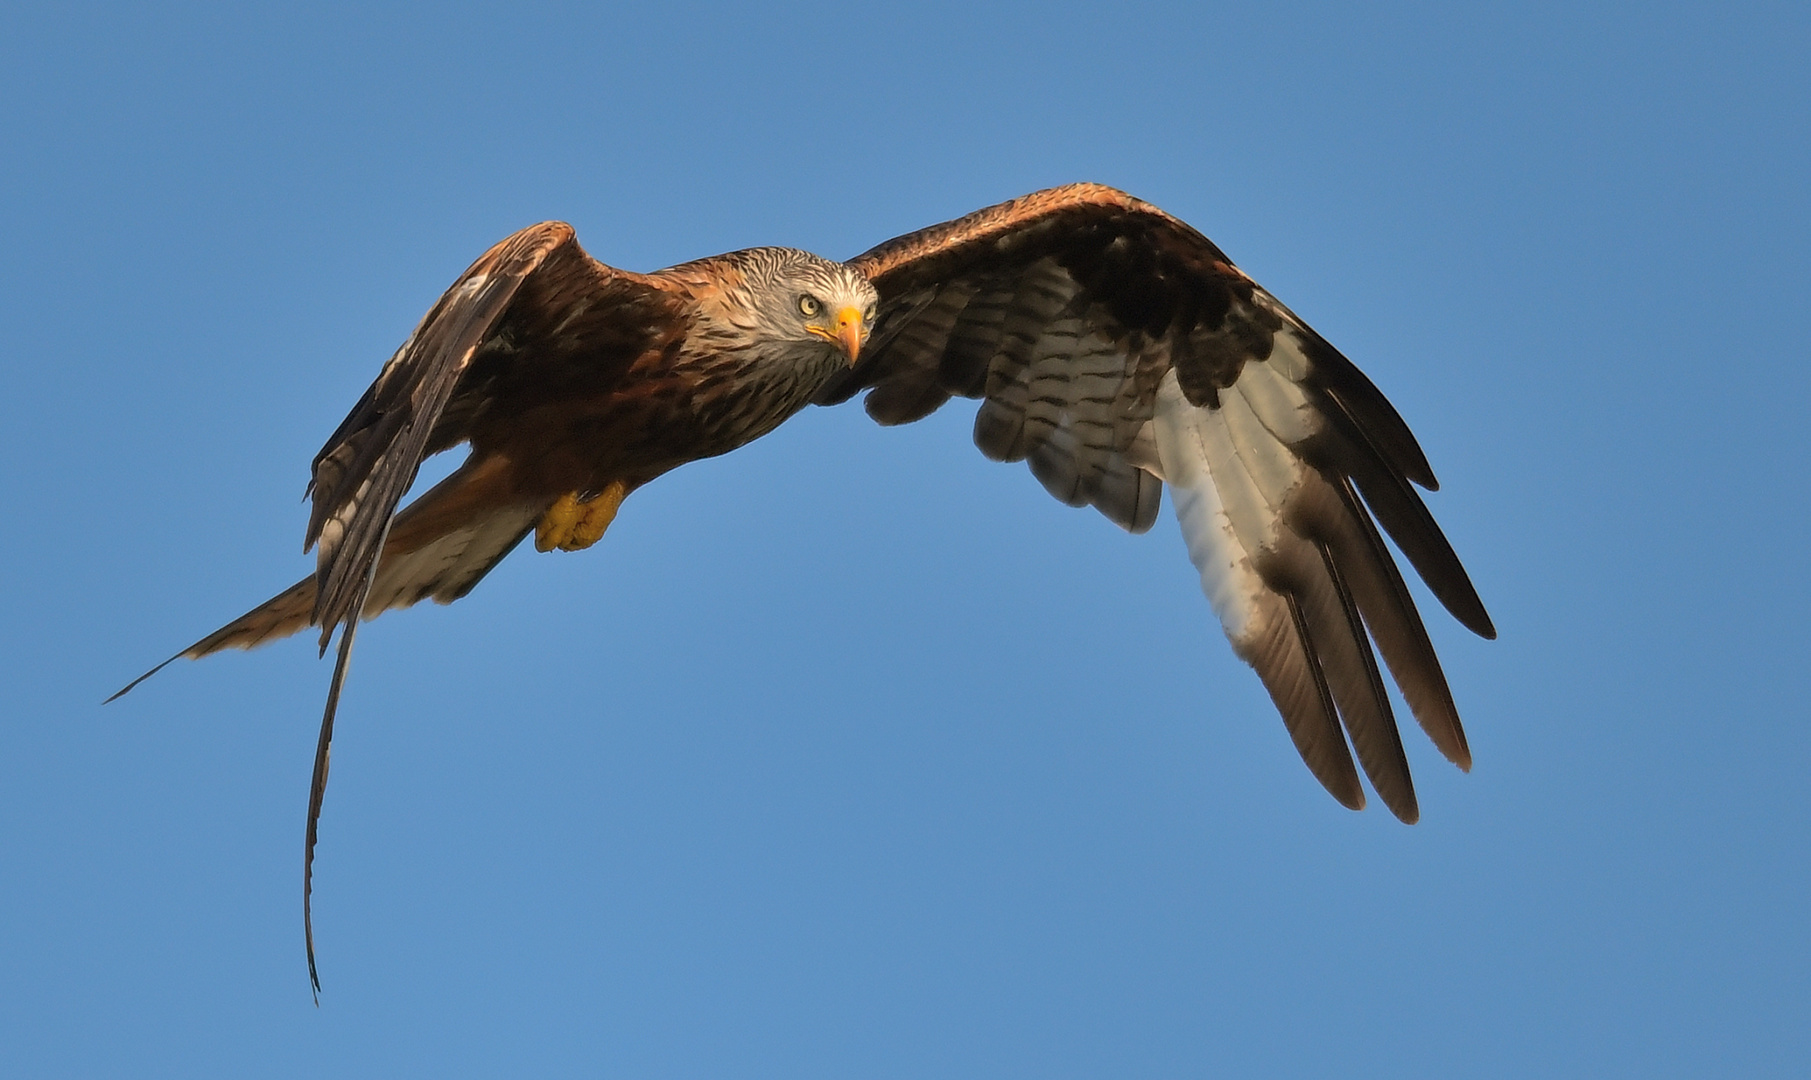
[[317, 784]]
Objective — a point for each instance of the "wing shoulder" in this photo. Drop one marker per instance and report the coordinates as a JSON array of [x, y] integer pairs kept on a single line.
[[1015, 229]]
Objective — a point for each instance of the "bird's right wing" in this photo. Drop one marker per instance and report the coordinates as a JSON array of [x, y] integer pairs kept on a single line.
[[533, 304], [371, 460]]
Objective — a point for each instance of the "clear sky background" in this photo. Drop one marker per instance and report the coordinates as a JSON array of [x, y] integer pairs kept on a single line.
[[853, 754]]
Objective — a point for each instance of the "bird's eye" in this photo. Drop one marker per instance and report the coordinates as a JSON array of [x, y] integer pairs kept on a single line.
[[808, 306]]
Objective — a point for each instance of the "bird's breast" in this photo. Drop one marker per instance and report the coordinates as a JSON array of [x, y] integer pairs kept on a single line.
[[666, 408]]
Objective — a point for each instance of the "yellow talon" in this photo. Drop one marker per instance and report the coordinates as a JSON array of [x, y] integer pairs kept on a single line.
[[556, 524], [573, 524]]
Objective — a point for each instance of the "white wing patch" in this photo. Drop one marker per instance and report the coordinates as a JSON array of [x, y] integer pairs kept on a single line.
[[1227, 577], [334, 528], [1231, 470], [1286, 356], [1271, 390]]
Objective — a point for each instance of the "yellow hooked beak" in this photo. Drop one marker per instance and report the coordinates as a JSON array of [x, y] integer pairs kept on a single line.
[[850, 332]]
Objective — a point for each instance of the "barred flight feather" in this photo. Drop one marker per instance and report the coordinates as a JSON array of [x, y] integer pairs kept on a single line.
[[1043, 292], [975, 340], [914, 390]]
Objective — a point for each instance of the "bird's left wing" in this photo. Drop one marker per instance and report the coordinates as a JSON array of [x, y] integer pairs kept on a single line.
[[1115, 348]]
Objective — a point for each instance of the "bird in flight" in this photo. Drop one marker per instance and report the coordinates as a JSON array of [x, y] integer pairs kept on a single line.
[[1113, 348]]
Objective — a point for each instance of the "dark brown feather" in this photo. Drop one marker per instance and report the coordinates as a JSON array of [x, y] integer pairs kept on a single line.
[[1360, 402], [1279, 652], [1389, 613], [1347, 450]]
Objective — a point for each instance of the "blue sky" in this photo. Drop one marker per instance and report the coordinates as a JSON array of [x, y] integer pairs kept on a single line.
[[852, 753]]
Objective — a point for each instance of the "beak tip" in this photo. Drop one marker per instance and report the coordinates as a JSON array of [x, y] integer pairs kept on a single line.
[[850, 333]]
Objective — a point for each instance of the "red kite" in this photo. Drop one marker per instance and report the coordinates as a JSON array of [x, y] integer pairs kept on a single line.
[[1113, 348]]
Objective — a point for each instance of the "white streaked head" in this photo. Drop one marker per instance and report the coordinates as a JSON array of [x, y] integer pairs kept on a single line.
[[795, 296]]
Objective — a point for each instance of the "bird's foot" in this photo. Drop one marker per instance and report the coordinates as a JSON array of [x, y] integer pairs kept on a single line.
[[574, 524]]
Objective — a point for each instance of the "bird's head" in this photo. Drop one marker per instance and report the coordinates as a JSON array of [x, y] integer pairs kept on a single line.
[[799, 297]]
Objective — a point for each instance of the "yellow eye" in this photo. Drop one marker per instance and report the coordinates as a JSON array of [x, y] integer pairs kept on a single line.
[[808, 306]]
